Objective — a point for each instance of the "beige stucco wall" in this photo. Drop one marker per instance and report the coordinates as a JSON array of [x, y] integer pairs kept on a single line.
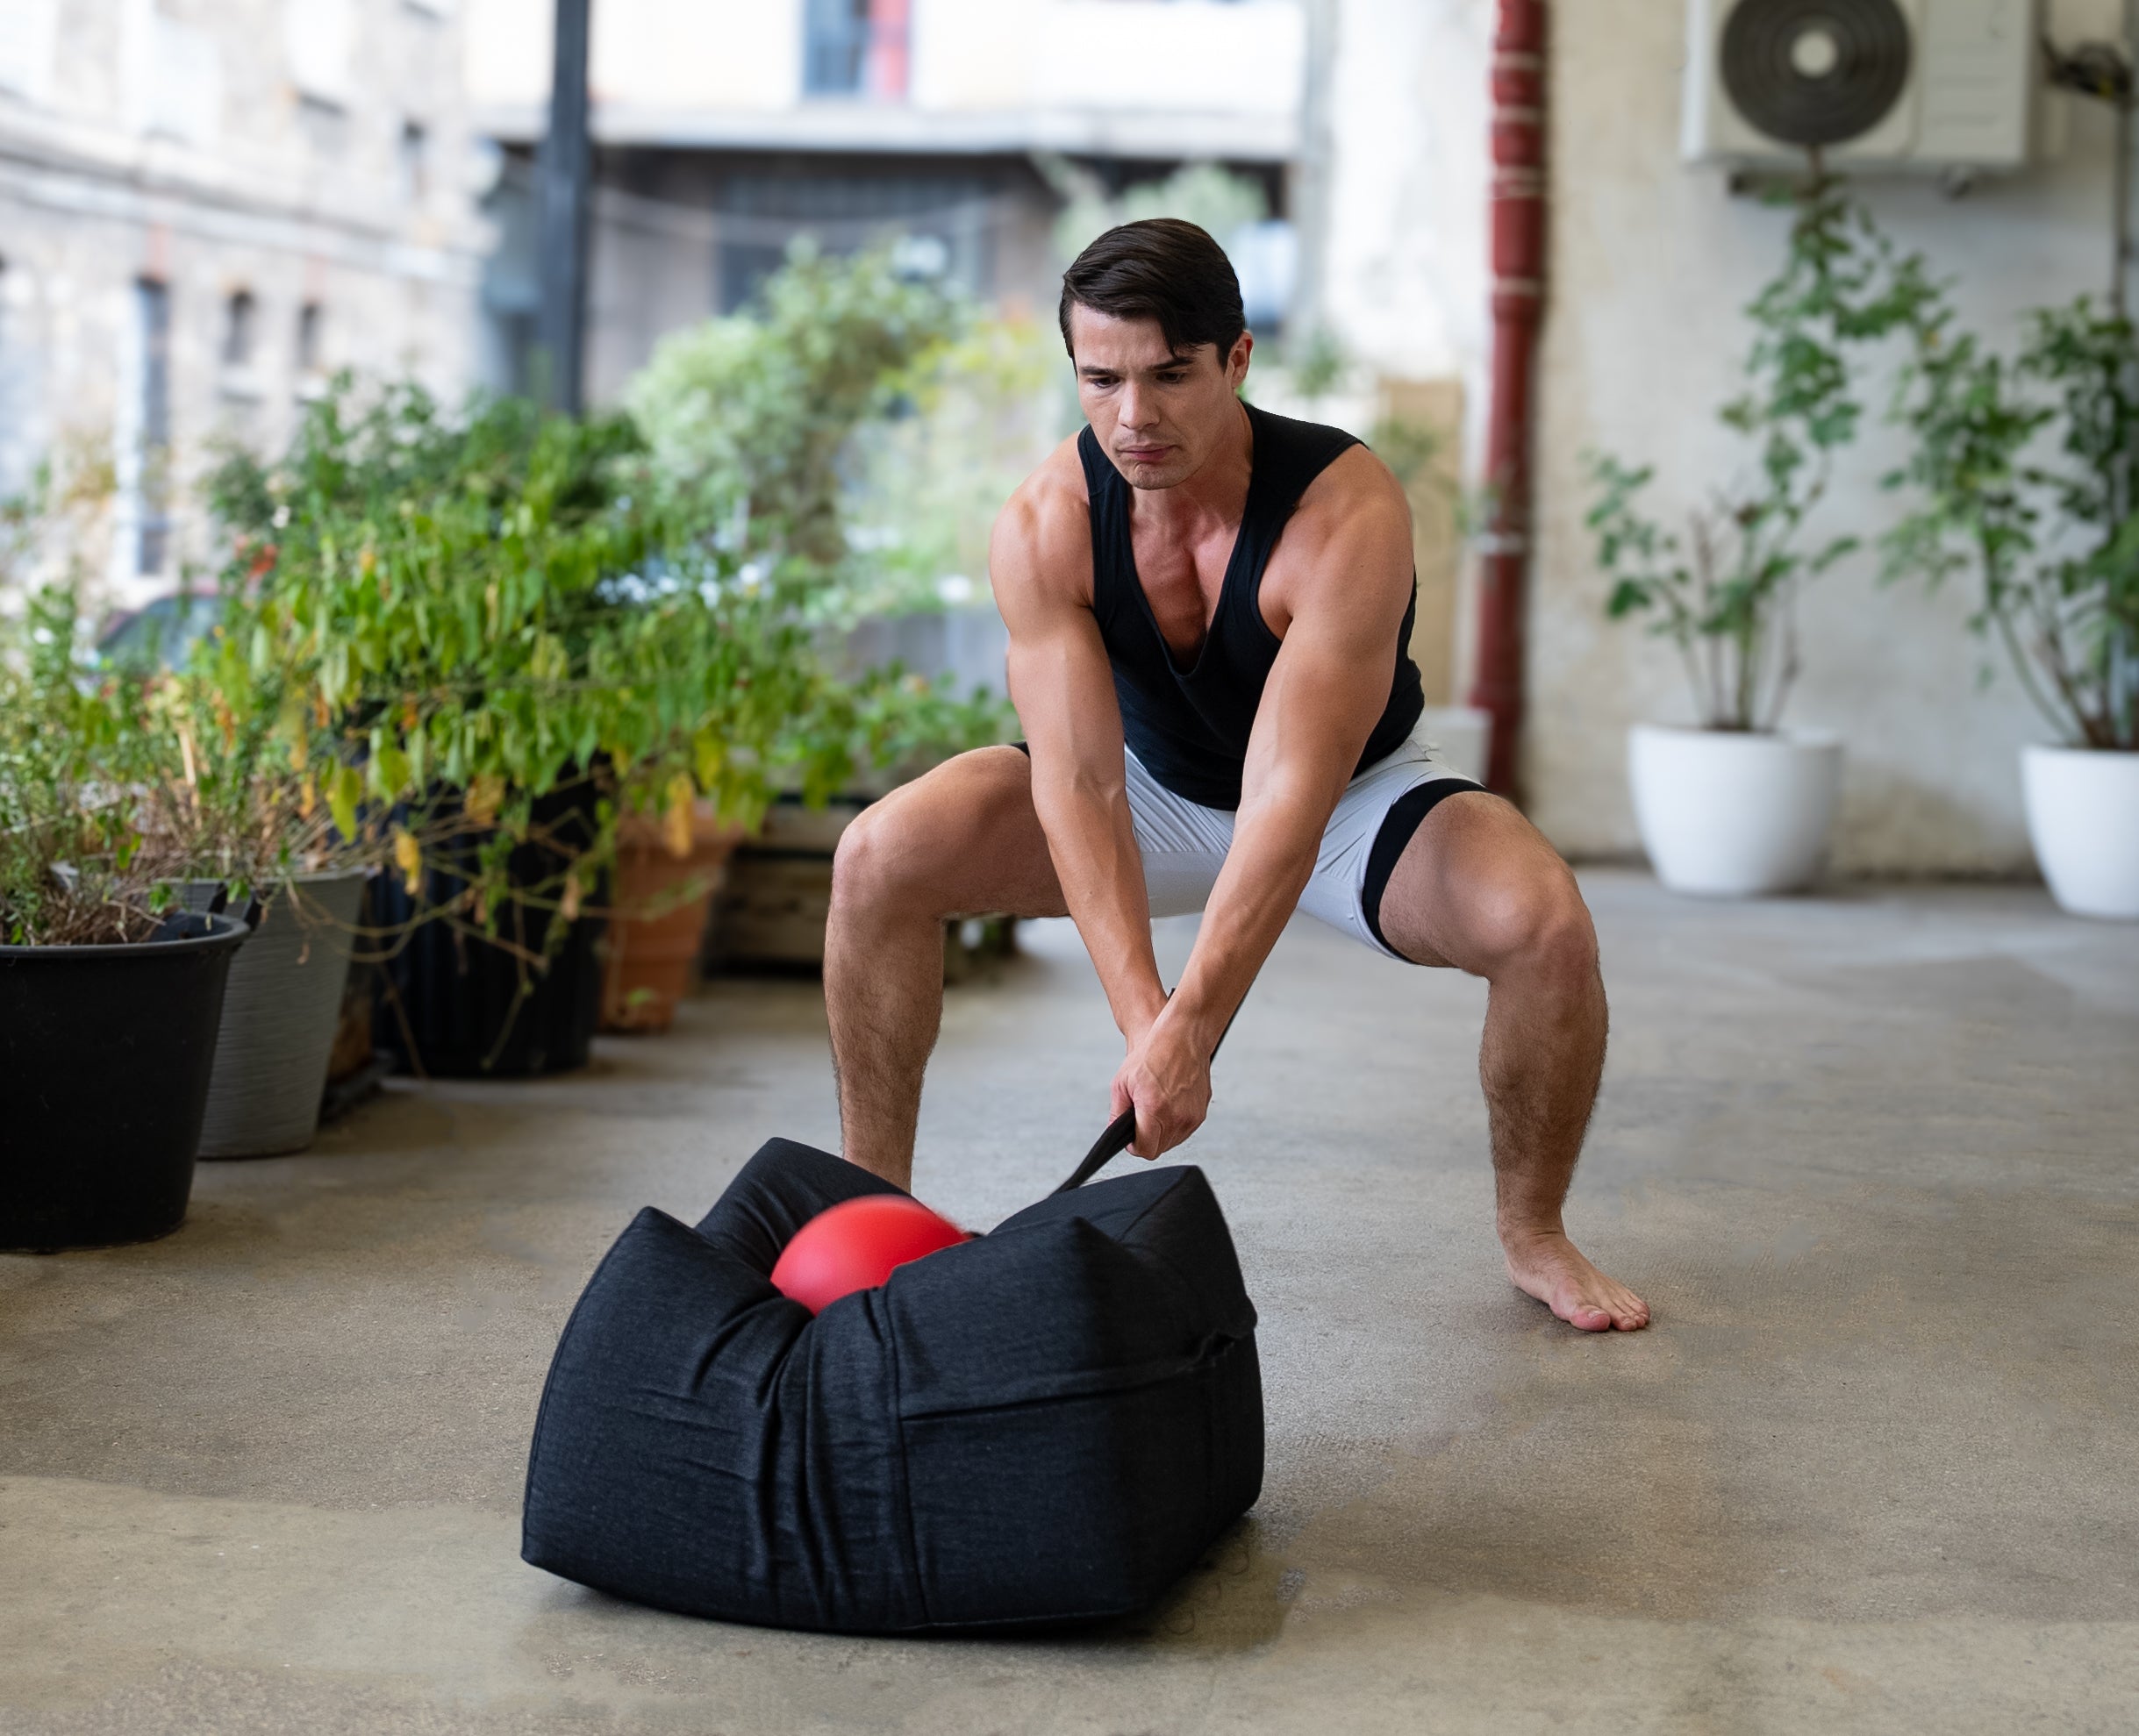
[[1651, 262]]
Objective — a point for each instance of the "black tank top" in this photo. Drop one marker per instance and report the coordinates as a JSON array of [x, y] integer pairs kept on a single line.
[[1190, 726]]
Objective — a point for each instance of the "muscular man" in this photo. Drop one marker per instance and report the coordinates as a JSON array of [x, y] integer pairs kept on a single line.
[[1210, 608]]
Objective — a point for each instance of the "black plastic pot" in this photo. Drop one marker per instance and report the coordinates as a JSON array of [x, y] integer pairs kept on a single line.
[[452, 1005], [106, 1053]]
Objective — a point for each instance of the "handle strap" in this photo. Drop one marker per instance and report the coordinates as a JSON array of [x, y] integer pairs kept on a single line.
[[1121, 1130]]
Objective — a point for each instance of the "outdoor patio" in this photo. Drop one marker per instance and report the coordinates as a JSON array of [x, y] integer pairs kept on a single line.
[[1869, 1155]]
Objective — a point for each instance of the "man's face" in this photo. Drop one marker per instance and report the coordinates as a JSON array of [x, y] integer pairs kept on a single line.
[[1157, 414]]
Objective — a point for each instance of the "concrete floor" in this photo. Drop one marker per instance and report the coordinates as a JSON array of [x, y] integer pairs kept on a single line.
[[1873, 1157]]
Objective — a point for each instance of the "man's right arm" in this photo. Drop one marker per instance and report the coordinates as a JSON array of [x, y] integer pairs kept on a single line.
[[1040, 564]]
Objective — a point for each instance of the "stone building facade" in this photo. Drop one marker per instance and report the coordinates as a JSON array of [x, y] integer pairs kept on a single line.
[[207, 207]]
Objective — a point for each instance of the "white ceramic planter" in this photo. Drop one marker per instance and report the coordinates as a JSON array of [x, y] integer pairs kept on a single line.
[[1729, 815], [2083, 818], [1463, 735]]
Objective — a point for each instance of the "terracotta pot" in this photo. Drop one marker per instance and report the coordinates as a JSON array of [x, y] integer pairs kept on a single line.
[[657, 922]]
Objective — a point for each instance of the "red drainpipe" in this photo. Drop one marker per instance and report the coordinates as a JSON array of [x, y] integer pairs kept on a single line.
[[1518, 305]]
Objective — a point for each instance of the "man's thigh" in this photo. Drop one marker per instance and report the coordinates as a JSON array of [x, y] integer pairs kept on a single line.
[[1474, 874], [964, 838]]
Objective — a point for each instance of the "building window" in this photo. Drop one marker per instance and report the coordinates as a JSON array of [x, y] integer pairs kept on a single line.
[[856, 48], [240, 319], [324, 125], [310, 318], [944, 223], [415, 162], [152, 302]]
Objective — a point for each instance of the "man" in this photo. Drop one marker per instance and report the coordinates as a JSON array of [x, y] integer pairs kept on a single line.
[[1209, 609]]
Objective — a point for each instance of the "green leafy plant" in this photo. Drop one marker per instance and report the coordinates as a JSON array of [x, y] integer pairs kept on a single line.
[[925, 486], [750, 420], [1317, 366], [464, 616], [1724, 593], [69, 840], [2027, 468], [474, 624], [1208, 195]]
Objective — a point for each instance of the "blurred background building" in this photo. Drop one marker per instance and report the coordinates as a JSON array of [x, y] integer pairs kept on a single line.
[[206, 206], [724, 133]]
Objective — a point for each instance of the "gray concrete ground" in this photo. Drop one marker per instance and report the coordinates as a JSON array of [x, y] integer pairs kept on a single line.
[[1873, 1157]]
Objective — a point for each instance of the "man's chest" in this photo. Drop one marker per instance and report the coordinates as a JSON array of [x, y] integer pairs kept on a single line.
[[1184, 580]]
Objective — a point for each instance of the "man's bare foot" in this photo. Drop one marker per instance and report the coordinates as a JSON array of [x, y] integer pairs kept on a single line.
[[1546, 1265]]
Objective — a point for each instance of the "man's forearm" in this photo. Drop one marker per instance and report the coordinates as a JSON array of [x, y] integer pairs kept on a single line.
[[1091, 839], [1275, 841]]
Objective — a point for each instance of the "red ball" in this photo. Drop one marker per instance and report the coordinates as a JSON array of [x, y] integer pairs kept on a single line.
[[853, 1245]]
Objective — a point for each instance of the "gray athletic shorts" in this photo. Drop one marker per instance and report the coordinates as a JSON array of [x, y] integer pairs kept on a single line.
[[1184, 844]]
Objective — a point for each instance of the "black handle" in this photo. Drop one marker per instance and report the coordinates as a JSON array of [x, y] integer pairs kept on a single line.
[[1121, 1130]]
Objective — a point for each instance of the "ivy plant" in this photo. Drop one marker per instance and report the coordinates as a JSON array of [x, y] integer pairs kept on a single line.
[[1724, 592]]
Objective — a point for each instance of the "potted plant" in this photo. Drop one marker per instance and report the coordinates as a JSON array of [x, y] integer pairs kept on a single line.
[[2028, 473], [1735, 806], [836, 441], [228, 814], [666, 871], [511, 651], [109, 1006]]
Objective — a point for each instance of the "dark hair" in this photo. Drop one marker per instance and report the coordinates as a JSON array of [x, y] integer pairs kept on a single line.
[[1162, 268]]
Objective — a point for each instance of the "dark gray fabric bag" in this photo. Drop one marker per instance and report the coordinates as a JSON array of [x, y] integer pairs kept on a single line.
[[1050, 1423]]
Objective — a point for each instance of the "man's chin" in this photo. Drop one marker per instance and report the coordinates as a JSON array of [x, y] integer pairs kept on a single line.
[[1170, 472]]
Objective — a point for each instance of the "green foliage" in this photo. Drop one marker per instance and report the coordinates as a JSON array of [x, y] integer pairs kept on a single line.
[[2051, 537], [1319, 365], [1216, 200], [69, 838], [465, 614], [926, 486], [749, 420], [1724, 595]]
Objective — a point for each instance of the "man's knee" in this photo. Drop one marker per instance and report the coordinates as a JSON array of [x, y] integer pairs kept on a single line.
[[880, 864], [1535, 920]]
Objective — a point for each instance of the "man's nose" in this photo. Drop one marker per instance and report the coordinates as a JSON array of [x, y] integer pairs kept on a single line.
[[1131, 413]]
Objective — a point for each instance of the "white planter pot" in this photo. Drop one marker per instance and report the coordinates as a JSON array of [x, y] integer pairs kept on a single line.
[[2083, 819], [1462, 734], [1730, 815]]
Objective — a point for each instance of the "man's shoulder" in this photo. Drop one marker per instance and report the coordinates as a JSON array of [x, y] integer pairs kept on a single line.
[[1044, 532], [1351, 484], [1057, 485], [1051, 505], [1351, 523]]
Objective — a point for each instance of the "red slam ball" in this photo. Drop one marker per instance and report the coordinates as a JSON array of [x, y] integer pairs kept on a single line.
[[853, 1245]]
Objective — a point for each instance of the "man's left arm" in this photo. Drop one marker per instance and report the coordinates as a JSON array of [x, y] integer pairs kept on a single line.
[[1348, 572]]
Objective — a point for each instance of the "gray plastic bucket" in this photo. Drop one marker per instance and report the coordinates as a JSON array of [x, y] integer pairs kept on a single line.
[[279, 1014]]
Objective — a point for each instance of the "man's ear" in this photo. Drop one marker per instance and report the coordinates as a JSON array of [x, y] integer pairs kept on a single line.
[[1236, 361]]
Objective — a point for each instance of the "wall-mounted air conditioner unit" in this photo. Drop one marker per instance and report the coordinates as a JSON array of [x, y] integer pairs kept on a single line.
[[1878, 85]]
